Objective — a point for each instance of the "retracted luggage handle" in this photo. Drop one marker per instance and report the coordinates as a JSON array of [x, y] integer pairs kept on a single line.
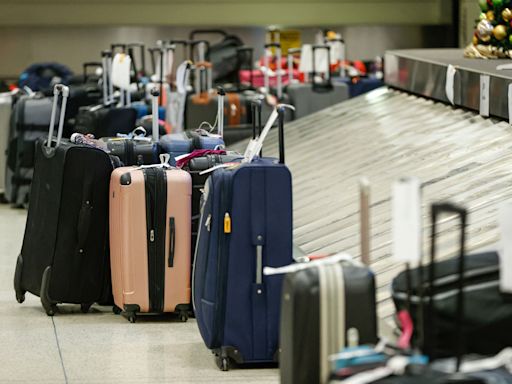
[[155, 129], [184, 44], [203, 49], [277, 47], [115, 46], [57, 90], [326, 86], [108, 87], [142, 51], [436, 210], [256, 107]]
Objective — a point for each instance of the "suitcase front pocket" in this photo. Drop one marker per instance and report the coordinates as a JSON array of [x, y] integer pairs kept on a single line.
[[208, 315]]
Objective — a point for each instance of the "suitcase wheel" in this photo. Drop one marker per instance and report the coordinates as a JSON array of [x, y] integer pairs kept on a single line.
[[52, 310], [132, 317], [183, 317], [49, 306], [20, 292], [116, 310], [84, 307], [222, 363]]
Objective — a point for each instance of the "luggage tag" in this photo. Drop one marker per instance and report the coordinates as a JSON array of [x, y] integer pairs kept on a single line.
[[121, 66], [164, 163], [407, 220], [505, 220], [138, 134], [450, 83], [255, 145], [270, 271], [306, 60]]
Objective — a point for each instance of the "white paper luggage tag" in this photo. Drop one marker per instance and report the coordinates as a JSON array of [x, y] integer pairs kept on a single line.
[[321, 62], [505, 219], [485, 83], [406, 220], [306, 60], [121, 66], [450, 83], [255, 145]]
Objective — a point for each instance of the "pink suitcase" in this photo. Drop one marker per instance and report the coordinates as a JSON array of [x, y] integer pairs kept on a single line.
[[150, 229]]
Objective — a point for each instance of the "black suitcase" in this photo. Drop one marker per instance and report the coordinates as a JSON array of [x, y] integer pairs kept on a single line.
[[138, 150], [65, 254], [313, 323], [487, 312]]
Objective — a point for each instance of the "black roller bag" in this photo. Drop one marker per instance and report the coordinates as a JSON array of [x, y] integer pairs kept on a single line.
[[65, 254]]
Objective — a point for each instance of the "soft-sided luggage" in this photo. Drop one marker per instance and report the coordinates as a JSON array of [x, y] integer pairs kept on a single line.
[[246, 224], [178, 144], [64, 257], [29, 122], [487, 312], [327, 305], [5, 118], [311, 97], [150, 239], [138, 149]]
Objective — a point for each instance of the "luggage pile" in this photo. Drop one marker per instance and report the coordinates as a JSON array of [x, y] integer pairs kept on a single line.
[[134, 202]]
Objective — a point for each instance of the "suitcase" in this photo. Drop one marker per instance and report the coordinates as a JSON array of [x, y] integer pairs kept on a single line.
[[136, 149], [150, 240], [178, 144], [325, 307], [29, 122], [312, 97], [64, 257], [246, 224], [5, 118]]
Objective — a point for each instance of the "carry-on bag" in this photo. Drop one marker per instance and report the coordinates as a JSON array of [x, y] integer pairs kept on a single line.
[[29, 123], [6, 99], [64, 257], [135, 148], [316, 95], [487, 312], [150, 239], [327, 304], [246, 224]]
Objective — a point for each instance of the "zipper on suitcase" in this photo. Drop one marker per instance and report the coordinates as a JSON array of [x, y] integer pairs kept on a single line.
[[156, 193]]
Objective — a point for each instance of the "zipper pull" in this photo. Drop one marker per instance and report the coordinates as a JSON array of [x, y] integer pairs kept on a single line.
[[152, 235], [227, 223], [208, 221]]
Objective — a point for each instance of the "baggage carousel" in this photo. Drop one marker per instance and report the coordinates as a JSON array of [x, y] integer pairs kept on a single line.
[[389, 133]]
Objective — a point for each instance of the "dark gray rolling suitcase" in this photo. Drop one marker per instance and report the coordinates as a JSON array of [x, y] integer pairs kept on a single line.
[[65, 253], [312, 97], [327, 305], [29, 123]]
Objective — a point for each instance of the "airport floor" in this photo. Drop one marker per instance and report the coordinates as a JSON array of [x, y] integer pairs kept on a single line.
[[97, 347]]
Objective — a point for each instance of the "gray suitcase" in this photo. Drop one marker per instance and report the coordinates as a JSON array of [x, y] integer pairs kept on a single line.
[[5, 117], [314, 96], [29, 123]]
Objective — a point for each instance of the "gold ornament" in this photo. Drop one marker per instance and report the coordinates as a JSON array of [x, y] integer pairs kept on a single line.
[[490, 15], [500, 32], [475, 40], [506, 14]]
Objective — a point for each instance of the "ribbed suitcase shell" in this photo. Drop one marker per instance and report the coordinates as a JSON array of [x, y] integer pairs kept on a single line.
[[129, 245]]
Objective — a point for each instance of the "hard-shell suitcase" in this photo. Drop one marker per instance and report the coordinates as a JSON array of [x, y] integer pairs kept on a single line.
[[29, 123], [312, 97], [246, 224], [324, 306], [150, 240], [138, 149], [64, 257]]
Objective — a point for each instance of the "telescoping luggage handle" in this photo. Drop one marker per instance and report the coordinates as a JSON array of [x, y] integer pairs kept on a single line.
[[155, 129], [436, 210], [108, 87], [220, 110], [277, 47], [57, 90], [250, 58], [325, 86], [254, 146], [291, 53]]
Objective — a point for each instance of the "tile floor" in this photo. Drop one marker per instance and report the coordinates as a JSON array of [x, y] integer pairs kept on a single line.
[[98, 347]]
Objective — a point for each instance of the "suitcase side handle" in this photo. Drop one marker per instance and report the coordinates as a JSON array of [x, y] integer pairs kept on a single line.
[[172, 241], [437, 210], [57, 90]]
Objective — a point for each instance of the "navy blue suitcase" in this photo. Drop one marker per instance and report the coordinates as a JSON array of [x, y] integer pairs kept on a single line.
[[246, 224], [177, 144]]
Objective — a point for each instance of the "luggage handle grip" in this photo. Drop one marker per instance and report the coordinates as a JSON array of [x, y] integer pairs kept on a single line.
[[259, 264], [172, 241], [207, 32], [436, 210], [57, 90], [90, 64], [114, 46]]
